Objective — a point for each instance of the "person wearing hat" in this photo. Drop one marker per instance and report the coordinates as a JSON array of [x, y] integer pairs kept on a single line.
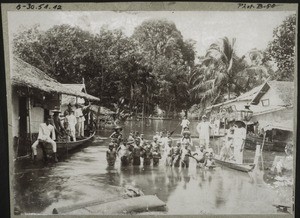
[[111, 155], [203, 128], [117, 134], [239, 138], [137, 153], [46, 135], [71, 119], [186, 138], [184, 124], [185, 155], [58, 126], [80, 121]]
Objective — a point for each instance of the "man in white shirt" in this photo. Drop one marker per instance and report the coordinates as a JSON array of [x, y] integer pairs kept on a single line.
[[80, 121], [203, 128], [239, 138], [46, 135], [72, 123]]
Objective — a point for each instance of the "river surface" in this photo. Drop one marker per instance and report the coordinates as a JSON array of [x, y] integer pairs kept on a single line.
[[83, 176]]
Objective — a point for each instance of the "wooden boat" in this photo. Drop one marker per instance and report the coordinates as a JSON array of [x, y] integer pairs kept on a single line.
[[275, 145], [63, 147], [232, 165]]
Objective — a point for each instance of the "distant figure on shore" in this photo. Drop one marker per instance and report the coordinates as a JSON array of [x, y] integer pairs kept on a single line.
[[239, 138], [184, 124], [111, 155], [46, 135], [203, 128]]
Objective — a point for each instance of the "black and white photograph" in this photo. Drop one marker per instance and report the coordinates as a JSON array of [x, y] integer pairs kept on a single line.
[[151, 112]]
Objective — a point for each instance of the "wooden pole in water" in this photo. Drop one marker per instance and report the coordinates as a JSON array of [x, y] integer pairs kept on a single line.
[[262, 147]]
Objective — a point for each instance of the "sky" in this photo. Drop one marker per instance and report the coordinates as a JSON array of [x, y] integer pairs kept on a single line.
[[252, 29]]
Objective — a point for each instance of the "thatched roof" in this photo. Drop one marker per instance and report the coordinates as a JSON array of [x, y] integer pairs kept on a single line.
[[26, 75]]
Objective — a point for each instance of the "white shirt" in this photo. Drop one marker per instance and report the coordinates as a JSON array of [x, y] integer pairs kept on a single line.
[[79, 115], [45, 131], [185, 123], [203, 128], [71, 120]]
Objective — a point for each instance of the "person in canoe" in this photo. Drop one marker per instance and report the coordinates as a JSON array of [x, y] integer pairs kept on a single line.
[[177, 155], [58, 126], [185, 155], [226, 153], [203, 128], [209, 163], [46, 135], [117, 135], [156, 156], [71, 120], [169, 152], [147, 155], [111, 155], [239, 138]]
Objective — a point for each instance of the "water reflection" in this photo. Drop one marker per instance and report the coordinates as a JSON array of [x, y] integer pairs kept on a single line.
[[85, 177]]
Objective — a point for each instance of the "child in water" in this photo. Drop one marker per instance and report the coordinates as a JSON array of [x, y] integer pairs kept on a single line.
[[209, 162], [177, 155], [169, 151], [111, 155], [147, 155], [156, 156], [185, 155]]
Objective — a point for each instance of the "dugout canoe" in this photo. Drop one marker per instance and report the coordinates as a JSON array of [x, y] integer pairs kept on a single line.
[[63, 147], [232, 165]]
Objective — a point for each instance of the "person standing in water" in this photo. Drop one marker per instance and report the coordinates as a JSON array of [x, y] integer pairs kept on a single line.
[[184, 124], [111, 155], [203, 128]]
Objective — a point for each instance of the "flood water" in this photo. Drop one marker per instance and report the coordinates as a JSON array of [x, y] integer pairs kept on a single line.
[[84, 176]]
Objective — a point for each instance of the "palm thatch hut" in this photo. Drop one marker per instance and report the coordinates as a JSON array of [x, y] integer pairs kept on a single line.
[[34, 95]]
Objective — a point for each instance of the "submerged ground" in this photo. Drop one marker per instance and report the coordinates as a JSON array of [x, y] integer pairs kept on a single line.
[[83, 176]]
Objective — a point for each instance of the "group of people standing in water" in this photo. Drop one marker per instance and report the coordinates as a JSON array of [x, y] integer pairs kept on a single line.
[[135, 150]]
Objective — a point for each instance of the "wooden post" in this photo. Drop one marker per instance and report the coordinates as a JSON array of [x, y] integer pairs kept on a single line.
[[262, 147], [29, 119], [256, 157]]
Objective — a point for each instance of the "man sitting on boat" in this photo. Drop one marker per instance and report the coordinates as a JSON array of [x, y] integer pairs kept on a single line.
[[46, 135], [239, 138]]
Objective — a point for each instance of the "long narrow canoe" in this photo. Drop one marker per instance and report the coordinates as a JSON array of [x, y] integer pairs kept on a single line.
[[232, 165], [63, 147]]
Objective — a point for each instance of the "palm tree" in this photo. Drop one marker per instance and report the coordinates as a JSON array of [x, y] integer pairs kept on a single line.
[[215, 75]]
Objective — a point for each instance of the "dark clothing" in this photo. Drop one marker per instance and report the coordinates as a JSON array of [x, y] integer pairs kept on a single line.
[[111, 156], [156, 157], [147, 158], [136, 161]]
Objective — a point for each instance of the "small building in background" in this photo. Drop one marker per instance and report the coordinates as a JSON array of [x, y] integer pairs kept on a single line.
[[34, 95]]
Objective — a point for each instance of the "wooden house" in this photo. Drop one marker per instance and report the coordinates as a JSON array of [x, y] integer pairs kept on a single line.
[[34, 95]]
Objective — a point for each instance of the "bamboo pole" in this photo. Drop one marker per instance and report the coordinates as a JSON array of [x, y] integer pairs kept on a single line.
[[262, 147]]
